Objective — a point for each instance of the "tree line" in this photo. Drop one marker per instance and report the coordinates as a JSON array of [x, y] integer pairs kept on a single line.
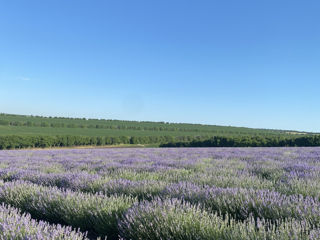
[[19, 142], [249, 141]]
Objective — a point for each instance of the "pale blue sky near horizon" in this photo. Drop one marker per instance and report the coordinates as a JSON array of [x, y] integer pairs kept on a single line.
[[239, 63]]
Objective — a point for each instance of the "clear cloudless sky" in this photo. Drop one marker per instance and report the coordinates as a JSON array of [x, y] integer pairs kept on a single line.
[[242, 63]]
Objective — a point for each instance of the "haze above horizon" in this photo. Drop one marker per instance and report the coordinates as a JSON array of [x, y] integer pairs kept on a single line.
[[237, 63]]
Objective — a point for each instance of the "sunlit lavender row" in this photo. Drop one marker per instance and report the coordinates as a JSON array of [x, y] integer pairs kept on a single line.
[[185, 193]]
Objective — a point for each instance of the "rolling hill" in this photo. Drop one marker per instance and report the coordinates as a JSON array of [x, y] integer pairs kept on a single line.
[[37, 131]]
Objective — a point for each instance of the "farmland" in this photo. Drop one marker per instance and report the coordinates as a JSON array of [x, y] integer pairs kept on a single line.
[[20, 131], [161, 193], [12, 124]]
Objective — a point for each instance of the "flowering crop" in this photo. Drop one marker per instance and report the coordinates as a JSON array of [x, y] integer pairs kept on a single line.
[[186, 193], [174, 219], [14, 225], [88, 212]]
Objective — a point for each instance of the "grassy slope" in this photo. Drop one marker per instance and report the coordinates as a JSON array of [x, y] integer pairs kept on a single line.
[[182, 129], [47, 131]]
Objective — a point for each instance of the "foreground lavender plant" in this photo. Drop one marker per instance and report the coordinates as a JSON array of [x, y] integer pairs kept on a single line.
[[95, 213], [14, 225], [174, 219], [243, 203]]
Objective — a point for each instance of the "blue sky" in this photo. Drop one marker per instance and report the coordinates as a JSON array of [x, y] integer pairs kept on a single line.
[[240, 63]]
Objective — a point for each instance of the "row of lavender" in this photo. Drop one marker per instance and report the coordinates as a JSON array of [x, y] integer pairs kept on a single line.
[[188, 193], [16, 225], [157, 219], [288, 171]]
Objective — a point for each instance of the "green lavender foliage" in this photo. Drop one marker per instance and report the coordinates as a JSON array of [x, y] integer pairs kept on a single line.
[[95, 213], [182, 193], [177, 220], [18, 226]]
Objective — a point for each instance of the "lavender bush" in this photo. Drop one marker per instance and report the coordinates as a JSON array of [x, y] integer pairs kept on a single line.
[[95, 213], [177, 220], [230, 193], [14, 225]]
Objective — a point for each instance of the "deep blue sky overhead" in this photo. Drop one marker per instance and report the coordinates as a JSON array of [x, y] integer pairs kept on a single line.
[[241, 63]]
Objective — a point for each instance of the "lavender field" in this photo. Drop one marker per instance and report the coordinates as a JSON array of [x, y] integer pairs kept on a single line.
[[184, 193]]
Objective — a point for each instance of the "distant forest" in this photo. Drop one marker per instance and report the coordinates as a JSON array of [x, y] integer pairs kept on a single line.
[[307, 141], [18, 142], [20, 131]]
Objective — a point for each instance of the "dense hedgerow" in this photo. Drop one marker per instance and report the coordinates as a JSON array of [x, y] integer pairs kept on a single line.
[[41, 141], [15, 225], [249, 141], [97, 213]]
